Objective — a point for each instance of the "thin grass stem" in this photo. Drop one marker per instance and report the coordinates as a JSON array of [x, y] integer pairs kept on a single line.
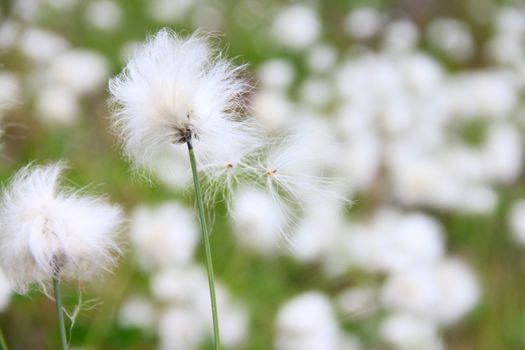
[[60, 314], [205, 237], [3, 343]]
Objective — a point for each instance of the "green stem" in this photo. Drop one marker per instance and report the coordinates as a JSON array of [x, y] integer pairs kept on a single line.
[[205, 237], [3, 344], [60, 313]]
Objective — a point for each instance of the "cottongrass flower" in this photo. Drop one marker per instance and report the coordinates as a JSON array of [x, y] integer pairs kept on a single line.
[[49, 233], [175, 90], [179, 92]]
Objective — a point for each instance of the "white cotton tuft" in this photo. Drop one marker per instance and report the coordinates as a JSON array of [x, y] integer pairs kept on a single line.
[[174, 89], [47, 232]]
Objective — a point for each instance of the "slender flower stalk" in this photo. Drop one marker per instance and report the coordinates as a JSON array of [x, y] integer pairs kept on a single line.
[[206, 240], [60, 314], [3, 343]]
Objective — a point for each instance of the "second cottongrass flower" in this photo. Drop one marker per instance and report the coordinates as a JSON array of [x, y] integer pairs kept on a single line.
[[50, 233]]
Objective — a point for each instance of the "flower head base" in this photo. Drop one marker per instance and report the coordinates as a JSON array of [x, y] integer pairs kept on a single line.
[[46, 233]]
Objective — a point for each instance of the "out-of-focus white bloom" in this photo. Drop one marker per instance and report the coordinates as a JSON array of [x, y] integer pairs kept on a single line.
[[80, 70], [317, 92], [233, 320], [178, 285], [185, 289], [208, 16], [442, 292], [321, 58], [164, 236], [392, 241], [357, 302], [452, 37], [363, 23], [400, 36], [258, 220], [46, 232], [502, 153], [9, 33], [411, 240], [168, 11], [5, 291], [104, 14], [42, 46], [516, 220], [422, 74], [296, 26], [178, 88], [307, 322], [489, 94], [276, 74], [57, 106], [509, 21], [137, 312], [272, 109], [407, 332], [10, 91], [317, 231], [181, 328]]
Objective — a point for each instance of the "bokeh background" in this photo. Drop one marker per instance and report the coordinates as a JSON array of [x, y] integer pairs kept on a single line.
[[423, 100]]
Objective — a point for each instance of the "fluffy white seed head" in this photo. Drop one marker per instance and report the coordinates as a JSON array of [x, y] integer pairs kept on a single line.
[[177, 88], [47, 232]]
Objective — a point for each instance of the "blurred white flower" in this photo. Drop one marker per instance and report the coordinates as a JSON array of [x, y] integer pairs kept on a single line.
[[452, 37], [10, 91], [321, 58], [357, 302], [442, 292], [137, 312], [258, 220], [185, 290], [317, 231], [164, 236], [407, 332], [47, 232], [181, 328], [272, 109], [502, 153], [307, 322], [5, 291], [516, 220], [296, 26], [42, 46], [317, 92], [168, 11], [276, 74], [104, 14], [56, 105], [400, 36], [363, 22], [80, 70]]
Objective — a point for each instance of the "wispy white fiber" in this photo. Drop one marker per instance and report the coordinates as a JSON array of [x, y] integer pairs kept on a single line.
[[48, 231]]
